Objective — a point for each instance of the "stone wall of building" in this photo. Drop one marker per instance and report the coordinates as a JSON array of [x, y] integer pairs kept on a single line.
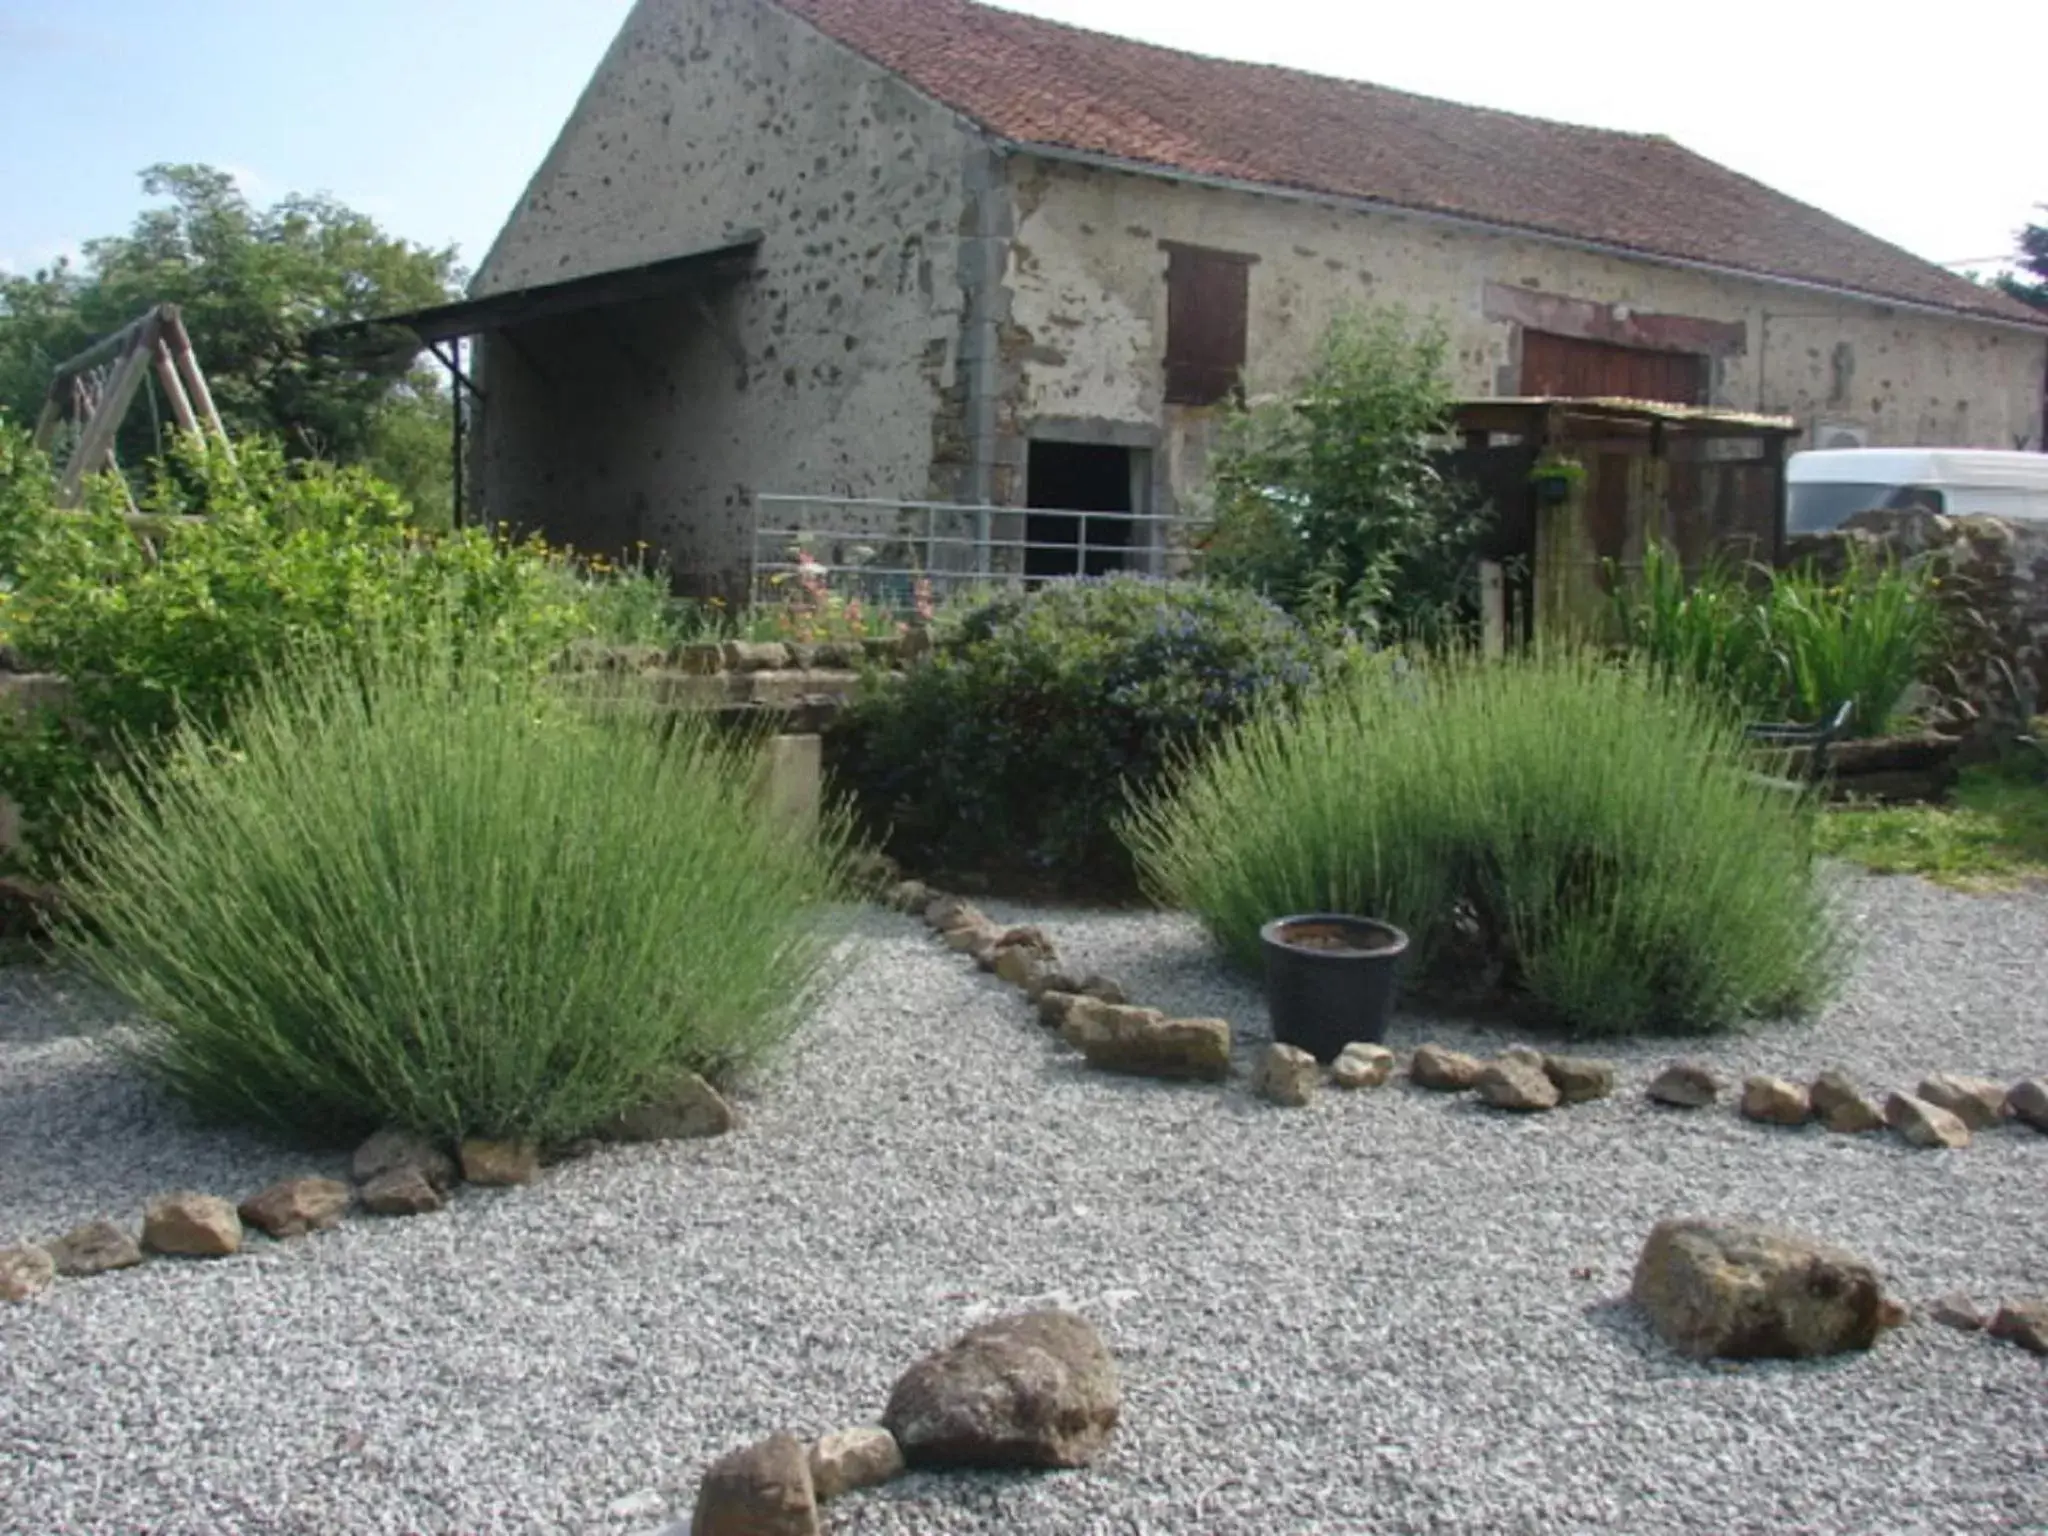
[[839, 367], [1088, 310]]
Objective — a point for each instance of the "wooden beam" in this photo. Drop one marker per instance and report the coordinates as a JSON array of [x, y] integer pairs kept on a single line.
[[107, 348], [96, 442], [174, 389], [47, 423], [195, 380]]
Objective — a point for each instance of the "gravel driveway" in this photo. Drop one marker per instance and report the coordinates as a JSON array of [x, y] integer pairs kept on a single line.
[[1391, 1312]]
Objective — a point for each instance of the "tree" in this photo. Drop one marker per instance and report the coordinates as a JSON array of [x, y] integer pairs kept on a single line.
[[253, 283], [1331, 499], [2032, 287]]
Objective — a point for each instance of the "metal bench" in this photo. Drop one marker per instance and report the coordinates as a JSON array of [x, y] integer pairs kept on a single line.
[[1790, 736]]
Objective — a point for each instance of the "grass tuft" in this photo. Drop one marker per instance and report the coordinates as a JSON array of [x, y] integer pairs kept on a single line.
[[1586, 835], [421, 888], [1787, 644]]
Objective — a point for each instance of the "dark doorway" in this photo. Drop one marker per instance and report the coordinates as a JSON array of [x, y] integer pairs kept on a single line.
[[1077, 477]]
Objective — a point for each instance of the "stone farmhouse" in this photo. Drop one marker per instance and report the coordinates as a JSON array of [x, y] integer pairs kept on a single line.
[[928, 250]]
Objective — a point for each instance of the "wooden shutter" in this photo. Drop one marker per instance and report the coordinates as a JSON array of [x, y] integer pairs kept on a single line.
[[1207, 304]]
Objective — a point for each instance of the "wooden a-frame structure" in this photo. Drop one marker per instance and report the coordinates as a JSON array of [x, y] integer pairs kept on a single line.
[[92, 392]]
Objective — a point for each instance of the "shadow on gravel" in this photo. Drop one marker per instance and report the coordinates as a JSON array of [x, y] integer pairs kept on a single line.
[[1625, 1326]]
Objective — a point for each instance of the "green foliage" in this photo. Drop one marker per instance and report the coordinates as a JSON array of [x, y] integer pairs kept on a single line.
[[1582, 836], [253, 284], [1330, 500], [1790, 644], [2030, 283], [422, 888], [257, 557], [1992, 834], [1009, 749]]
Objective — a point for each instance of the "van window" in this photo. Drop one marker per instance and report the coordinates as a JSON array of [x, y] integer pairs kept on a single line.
[[1815, 506]]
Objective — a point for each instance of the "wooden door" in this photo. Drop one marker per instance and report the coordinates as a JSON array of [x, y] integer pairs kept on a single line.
[[1575, 369]]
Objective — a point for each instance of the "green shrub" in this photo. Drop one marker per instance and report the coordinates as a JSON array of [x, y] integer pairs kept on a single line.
[[1331, 499], [1789, 644], [1009, 749], [421, 888], [255, 558], [1584, 834]]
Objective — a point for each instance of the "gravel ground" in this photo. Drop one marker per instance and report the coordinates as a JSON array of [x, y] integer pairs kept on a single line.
[[1392, 1312]]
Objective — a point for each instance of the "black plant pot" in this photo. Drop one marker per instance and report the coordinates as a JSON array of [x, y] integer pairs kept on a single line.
[[1330, 979]]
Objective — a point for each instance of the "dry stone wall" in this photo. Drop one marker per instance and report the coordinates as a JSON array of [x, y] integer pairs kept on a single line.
[[1993, 586]]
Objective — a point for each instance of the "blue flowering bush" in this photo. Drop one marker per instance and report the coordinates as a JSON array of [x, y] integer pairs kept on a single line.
[[1011, 751]]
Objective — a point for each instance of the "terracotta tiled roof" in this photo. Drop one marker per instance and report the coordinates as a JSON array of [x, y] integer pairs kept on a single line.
[[1037, 82]]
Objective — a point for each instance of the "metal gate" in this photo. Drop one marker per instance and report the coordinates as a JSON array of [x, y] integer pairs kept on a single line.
[[901, 555]]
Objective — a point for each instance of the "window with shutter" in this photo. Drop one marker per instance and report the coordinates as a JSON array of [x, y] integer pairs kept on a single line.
[[1207, 302]]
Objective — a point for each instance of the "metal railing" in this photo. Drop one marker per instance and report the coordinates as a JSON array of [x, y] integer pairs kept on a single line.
[[903, 555]]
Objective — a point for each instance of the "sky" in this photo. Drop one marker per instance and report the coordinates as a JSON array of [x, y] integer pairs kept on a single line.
[[430, 115]]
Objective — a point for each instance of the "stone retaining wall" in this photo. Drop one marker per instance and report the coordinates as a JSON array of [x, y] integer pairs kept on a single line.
[[788, 692], [793, 687], [1993, 587]]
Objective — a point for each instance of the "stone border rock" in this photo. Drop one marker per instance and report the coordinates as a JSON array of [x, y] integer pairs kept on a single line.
[[1032, 1390], [1095, 1016], [394, 1173]]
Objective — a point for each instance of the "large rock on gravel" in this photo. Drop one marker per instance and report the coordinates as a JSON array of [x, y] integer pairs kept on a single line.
[[1840, 1105], [93, 1249], [1361, 1064], [1516, 1083], [395, 1147], [402, 1191], [1685, 1085], [1034, 1390], [1976, 1101], [760, 1490], [1742, 1291], [294, 1207], [1580, 1079], [849, 1459], [2024, 1323], [1145, 1043], [1447, 1071], [688, 1108], [1774, 1101], [25, 1272], [191, 1226], [1286, 1075], [2027, 1102], [1924, 1124], [499, 1163]]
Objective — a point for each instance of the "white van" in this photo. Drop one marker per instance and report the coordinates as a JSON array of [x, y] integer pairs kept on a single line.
[[1828, 485]]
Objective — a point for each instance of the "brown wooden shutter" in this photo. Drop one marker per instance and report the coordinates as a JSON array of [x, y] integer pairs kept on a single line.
[[1207, 305]]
